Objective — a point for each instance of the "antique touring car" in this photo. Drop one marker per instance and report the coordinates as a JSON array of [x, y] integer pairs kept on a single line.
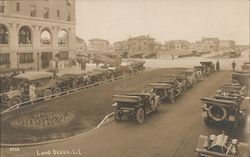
[[220, 146], [135, 105], [72, 81], [44, 83], [222, 109], [164, 90], [209, 67]]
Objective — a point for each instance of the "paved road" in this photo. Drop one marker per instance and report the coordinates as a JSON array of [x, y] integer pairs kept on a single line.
[[172, 132]]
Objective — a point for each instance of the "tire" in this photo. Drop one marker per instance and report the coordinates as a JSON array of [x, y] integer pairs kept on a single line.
[[140, 115], [57, 90], [118, 117], [217, 108], [47, 93], [14, 101]]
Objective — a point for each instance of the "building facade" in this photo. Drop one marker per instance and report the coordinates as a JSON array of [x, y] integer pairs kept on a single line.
[[35, 31], [121, 46], [226, 44], [141, 44], [213, 43], [99, 45], [177, 45], [81, 45]]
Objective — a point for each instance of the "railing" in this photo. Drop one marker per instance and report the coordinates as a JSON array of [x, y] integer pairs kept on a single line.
[[65, 93]]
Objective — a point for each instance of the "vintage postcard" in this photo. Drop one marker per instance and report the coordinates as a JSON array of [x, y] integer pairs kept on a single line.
[[124, 78]]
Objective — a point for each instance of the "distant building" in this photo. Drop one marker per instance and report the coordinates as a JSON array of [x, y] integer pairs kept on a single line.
[[199, 46], [226, 44], [35, 31], [212, 43], [121, 46], [99, 45], [141, 44], [157, 46], [81, 45], [177, 45]]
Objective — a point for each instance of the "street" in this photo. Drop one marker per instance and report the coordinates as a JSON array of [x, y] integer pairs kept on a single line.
[[173, 132]]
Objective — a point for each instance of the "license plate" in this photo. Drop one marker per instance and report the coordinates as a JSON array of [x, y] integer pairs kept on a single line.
[[125, 111]]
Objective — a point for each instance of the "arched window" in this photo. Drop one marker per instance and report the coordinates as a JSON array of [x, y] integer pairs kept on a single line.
[[24, 35], [63, 38], [4, 34], [45, 38]]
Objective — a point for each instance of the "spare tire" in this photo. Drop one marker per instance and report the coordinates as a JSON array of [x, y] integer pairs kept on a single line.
[[161, 93], [217, 113]]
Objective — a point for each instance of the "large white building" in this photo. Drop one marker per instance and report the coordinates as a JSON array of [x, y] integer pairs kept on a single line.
[[32, 32]]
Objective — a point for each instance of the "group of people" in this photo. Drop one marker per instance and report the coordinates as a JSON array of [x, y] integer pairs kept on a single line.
[[218, 65]]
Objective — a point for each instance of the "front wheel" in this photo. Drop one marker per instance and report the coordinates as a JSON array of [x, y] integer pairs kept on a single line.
[[140, 115], [47, 93]]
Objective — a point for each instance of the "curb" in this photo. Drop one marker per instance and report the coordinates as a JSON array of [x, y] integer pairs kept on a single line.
[[105, 121]]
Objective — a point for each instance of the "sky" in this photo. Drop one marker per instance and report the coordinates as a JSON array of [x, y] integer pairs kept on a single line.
[[163, 20]]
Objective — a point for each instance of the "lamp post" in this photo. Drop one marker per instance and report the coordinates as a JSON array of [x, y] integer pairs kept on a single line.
[[37, 61], [17, 60]]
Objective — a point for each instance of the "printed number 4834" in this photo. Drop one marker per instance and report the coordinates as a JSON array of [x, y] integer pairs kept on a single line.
[[14, 149]]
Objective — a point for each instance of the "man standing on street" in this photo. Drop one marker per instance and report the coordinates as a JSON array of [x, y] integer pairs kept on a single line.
[[217, 65], [233, 65]]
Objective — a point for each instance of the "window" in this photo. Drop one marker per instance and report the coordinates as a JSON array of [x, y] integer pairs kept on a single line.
[[62, 38], [4, 34], [33, 11], [46, 13], [17, 6], [1, 8], [64, 55], [58, 13], [68, 2], [45, 38], [26, 58], [24, 36], [69, 17], [4, 59]]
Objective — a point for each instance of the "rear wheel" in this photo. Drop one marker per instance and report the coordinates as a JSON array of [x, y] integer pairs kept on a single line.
[[140, 115], [57, 90], [47, 93]]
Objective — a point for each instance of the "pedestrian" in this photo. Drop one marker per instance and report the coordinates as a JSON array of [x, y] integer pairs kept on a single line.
[[233, 65], [217, 65], [84, 65], [32, 91]]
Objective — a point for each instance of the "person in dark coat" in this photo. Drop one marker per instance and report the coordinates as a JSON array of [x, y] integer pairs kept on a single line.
[[233, 65], [217, 65]]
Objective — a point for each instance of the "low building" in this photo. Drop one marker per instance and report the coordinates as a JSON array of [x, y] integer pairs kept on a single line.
[[121, 46], [226, 44], [213, 43], [141, 45], [99, 45], [199, 46], [177, 45], [81, 45]]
